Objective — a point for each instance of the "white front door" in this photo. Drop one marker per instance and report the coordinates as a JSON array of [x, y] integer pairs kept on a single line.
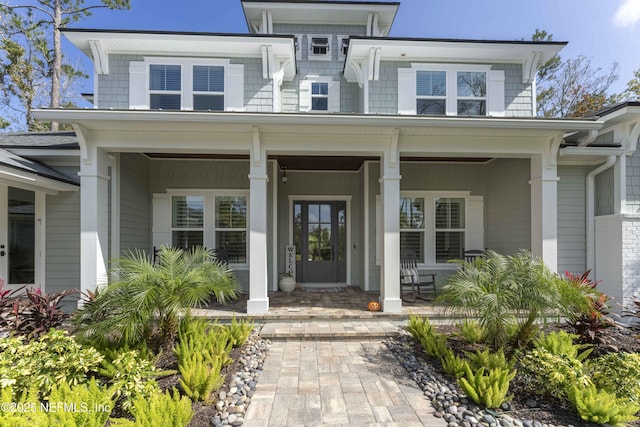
[[18, 237]]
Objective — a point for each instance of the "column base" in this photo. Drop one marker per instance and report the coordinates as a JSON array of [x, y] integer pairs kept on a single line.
[[391, 305], [258, 306]]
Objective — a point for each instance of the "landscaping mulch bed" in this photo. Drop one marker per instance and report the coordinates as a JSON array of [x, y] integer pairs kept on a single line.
[[549, 411]]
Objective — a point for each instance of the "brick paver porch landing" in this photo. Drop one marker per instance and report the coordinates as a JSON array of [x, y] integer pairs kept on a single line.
[[349, 304]]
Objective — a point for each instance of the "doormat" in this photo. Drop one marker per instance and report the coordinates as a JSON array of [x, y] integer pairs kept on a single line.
[[324, 290]]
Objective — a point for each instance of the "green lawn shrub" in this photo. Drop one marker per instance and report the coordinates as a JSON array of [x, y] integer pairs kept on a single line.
[[239, 331], [23, 410], [487, 387], [452, 364], [597, 406], [83, 405], [472, 331], [434, 344], [551, 374], [161, 409], [617, 373], [130, 376], [489, 360], [560, 343], [54, 358]]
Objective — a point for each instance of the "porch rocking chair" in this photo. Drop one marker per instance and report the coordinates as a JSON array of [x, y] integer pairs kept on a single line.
[[413, 283]]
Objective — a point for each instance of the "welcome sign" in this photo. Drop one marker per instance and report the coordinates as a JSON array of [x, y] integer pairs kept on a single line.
[[290, 260]]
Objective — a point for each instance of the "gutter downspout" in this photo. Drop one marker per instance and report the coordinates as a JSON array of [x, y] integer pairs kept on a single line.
[[591, 211]]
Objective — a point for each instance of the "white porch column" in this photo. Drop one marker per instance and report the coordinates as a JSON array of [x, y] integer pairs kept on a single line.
[[390, 297], [258, 300], [94, 239], [544, 211]]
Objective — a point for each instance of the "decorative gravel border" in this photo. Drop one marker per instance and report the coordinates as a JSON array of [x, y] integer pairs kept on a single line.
[[232, 403], [450, 404]]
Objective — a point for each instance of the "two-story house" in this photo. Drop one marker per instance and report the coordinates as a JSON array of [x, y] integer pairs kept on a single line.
[[315, 129]]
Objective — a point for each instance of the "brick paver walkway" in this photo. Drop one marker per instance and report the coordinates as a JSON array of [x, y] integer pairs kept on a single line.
[[336, 383]]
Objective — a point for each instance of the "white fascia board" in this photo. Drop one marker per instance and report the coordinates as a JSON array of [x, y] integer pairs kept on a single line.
[[90, 118], [332, 13], [196, 45], [591, 151], [452, 51], [43, 152], [32, 180]]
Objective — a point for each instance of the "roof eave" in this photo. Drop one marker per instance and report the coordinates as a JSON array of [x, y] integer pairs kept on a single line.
[[368, 120]]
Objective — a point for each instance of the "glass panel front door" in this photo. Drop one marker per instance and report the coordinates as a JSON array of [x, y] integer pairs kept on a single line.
[[319, 233], [22, 224], [17, 236]]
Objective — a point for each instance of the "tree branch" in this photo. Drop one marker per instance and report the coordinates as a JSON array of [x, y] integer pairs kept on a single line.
[[84, 9], [46, 12]]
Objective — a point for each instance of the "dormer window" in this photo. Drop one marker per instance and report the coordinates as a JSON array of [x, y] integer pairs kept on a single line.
[[343, 42], [319, 47]]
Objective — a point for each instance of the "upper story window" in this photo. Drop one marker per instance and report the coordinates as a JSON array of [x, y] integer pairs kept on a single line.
[[320, 94], [208, 87], [343, 43], [452, 90], [165, 87], [319, 47], [472, 93], [186, 84], [431, 92]]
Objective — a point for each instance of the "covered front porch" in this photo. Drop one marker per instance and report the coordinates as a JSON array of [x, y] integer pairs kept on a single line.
[[349, 303], [493, 179]]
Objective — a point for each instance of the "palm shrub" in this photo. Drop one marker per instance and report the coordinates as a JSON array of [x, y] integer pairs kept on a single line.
[[143, 292], [501, 291]]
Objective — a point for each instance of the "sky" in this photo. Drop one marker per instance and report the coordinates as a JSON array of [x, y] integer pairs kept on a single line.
[[605, 31]]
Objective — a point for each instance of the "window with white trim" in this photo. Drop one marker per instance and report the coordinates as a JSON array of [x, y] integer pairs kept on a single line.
[[472, 93], [450, 228], [186, 84], [453, 90], [187, 221], [165, 87], [431, 92], [216, 219], [319, 47], [319, 94], [412, 225], [231, 228], [343, 44], [208, 87], [436, 226]]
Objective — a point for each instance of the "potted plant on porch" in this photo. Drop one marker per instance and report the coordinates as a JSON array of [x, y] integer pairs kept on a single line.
[[287, 282]]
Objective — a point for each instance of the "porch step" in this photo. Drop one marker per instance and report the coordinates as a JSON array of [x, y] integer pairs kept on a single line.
[[330, 330]]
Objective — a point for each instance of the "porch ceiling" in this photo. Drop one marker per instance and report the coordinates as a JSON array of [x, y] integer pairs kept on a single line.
[[317, 163]]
